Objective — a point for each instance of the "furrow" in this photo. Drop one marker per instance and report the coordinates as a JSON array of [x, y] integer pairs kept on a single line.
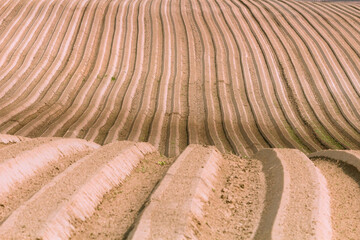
[[294, 123], [8, 15], [252, 138], [87, 91], [196, 122], [176, 204], [71, 77], [28, 53], [328, 48], [349, 54], [341, 170], [130, 97], [315, 94], [75, 84], [297, 203], [128, 67], [6, 8], [247, 76], [97, 131], [223, 76], [213, 125], [17, 170], [120, 207], [74, 194], [83, 117], [160, 117], [24, 18], [269, 79], [288, 61], [16, 49], [256, 91], [47, 68], [140, 126], [176, 128]]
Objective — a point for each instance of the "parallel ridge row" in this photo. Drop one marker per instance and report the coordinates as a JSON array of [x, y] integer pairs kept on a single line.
[[240, 75]]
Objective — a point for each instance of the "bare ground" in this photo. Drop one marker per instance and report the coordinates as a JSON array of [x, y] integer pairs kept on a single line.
[[121, 206], [344, 186], [234, 209]]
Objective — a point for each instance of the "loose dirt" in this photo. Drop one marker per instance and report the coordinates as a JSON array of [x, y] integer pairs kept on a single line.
[[121, 206], [234, 209], [34, 184], [344, 187]]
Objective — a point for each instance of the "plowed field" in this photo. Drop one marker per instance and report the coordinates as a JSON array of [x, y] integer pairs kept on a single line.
[[240, 75], [179, 119]]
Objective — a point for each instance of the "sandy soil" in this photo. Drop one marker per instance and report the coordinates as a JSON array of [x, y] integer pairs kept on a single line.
[[33, 185], [234, 209], [120, 207], [344, 186]]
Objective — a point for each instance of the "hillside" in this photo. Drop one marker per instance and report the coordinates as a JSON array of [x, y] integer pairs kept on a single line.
[[240, 75], [179, 119]]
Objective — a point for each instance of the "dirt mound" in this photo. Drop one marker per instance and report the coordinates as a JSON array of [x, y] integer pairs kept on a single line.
[[71, 188]]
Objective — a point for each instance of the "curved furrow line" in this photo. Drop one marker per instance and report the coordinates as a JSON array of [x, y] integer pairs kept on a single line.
[[310, 71], [6, 9], [132, 96], [295, 124], [98, 128], [140, 126], [75, 68], [340, 24], [244, 81], [286, 93], [299, 51], [77, 81], [134, 76], [293, 185], [16, 46], [24, 59], [176, 128], [161, 116], [347, 46], [23, 19], [86, 92], [252, 138], [25, 55], [350, 18], [317, 74], [331, 51], [28, 94], [249, 74], [280, 136], [92, 128], [344, 23], [83, 117], [291, 61], [5, 6], [349, 9], [196, 121], [128, 66], [346, 39], [224, 78], [99, 131], [269, 59], [213, 125]]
